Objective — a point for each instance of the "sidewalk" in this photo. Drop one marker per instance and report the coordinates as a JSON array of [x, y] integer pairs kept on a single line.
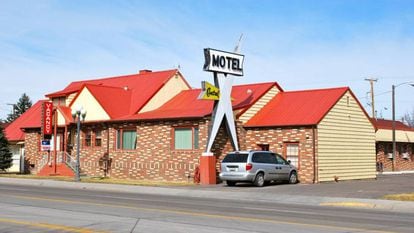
[[215, 192]]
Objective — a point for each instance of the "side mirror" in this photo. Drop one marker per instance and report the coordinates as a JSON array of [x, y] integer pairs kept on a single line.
[[289, 162]]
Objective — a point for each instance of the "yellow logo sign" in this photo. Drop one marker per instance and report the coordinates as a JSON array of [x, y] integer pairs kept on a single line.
[[209, 91]]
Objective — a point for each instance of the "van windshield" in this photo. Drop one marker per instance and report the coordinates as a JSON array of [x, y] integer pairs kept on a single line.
[[235, 158]]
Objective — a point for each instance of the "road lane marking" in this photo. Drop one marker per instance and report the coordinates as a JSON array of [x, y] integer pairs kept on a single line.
[[200, 214], [350, 204], [49, 226]]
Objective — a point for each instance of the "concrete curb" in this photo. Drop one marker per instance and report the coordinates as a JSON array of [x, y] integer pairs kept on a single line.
[[395, 173], [386, 205]]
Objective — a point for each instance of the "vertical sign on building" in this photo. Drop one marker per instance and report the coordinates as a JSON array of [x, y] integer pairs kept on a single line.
[[228, 65], [47, 113]]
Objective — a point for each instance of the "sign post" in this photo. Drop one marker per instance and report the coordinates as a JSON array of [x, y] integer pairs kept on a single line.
[[228, 65]]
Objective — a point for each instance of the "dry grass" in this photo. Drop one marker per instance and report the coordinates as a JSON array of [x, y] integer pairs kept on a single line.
[[400, 197], [103, 180]]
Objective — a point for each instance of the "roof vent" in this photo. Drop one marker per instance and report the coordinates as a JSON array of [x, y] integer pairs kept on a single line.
[[145, 71]]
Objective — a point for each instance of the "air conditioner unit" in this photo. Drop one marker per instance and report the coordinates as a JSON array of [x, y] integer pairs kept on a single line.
[[390, 155], [405, 155]]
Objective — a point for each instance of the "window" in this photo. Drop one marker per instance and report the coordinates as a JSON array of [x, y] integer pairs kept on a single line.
[[98, 138], [264, 147], [259, 158], [92, 138], [88, 139], [280, 160], [235, 158], [126, 139], [292, 153], [61, 101], [186, 138]]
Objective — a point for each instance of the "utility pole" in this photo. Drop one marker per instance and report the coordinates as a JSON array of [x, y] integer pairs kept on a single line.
[[371, 82], [14, 108]]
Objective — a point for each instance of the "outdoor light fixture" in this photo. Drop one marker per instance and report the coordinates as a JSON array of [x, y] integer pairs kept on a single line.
[[78, 113], [394, 145]]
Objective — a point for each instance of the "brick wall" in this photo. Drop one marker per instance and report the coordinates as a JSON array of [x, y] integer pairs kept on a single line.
[[154, 159], [277, 137], [33, 155], [401, 164]]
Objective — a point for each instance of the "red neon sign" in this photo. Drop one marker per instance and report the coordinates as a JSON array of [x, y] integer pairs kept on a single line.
[[47, 118]]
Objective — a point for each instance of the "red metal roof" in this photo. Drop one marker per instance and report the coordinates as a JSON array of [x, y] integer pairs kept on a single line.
[[387, 124], [29, 119], [186, 104], [116, 101], [142, 87], [296, 108], [66, 113]]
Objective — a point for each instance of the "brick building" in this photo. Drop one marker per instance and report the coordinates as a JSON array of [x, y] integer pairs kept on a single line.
[[151, 125], [404, 137]]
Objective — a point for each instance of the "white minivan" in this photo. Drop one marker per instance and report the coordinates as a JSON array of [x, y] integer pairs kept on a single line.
[[257, 167]]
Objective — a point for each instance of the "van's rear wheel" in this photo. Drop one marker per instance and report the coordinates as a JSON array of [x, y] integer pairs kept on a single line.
[[259, 180], [230, 183]]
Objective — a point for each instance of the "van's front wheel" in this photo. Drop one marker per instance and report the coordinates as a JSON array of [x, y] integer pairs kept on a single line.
[[293, 178], [259, 180]]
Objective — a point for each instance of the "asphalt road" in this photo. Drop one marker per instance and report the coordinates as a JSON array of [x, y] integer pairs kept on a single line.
[[367, 189], [43, 209]]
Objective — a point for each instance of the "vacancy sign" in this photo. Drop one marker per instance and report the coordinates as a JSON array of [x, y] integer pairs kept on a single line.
[[47, 118], [223, 62]]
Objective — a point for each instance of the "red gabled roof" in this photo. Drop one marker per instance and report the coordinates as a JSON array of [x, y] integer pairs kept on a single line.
[[184, 105], [115, 101], [142, 87], [187, 105], [29, 119], [295, 108], [66, 113], [387, 124]]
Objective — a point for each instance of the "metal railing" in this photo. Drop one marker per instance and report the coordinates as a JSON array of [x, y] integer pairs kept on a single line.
[[69, 160], [43, 162]]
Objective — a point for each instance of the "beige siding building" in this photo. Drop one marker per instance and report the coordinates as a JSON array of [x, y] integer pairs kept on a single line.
[[326, 133], [404, 138], [346, 142]]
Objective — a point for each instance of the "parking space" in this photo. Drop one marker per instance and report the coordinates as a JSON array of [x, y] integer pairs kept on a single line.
[[372, 189]]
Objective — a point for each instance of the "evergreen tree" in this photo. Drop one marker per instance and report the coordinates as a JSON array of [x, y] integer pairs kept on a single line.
[[19, 108], [5, 154]]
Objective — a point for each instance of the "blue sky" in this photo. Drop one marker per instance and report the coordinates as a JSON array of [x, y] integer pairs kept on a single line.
[[45, 45]]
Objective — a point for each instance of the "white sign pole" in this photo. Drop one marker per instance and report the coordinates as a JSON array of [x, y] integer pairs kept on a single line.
[[227, 64]]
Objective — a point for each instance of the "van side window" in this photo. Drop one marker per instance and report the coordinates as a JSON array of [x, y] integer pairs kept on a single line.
[[259, 158], [280, 160], [272, 158]]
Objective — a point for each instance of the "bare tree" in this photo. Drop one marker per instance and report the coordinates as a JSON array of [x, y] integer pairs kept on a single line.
[[408, 119]]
